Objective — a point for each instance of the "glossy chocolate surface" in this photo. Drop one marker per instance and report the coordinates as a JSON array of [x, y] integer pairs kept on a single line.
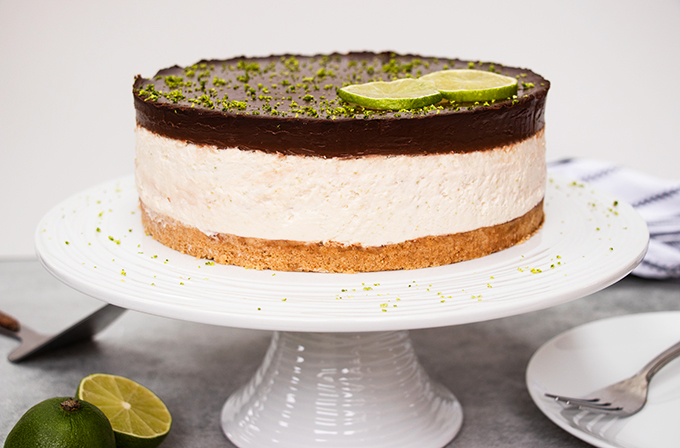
[[288, 104]]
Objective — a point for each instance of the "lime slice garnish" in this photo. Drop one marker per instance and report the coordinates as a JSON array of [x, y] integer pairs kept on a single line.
[[407, 93], [472, 85], [138, 417]]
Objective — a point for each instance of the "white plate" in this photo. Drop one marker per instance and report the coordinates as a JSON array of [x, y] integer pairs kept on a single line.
[[95, 243], [600, 353]]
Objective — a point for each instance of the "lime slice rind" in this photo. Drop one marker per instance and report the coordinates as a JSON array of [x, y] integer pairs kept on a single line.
[[407, 93]]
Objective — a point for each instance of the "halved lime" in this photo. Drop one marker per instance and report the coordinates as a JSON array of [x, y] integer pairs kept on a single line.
[[138, 417], [407, 93], [472, 85]]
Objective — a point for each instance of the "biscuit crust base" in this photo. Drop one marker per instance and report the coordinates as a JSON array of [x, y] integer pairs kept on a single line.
[[284, 255]]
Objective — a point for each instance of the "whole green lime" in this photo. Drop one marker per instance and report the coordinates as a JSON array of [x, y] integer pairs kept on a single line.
[[62, 422]]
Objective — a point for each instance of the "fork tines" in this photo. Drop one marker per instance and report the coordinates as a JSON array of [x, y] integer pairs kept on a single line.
[[593, 403]]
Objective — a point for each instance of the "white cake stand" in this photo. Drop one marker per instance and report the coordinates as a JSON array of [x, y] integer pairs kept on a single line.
[[341, 370]]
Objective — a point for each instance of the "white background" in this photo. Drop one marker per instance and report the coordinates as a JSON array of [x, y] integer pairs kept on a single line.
[[66, 71]]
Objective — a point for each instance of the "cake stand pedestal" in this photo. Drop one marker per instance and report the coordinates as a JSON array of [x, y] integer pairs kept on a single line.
[[339, 390], [341, 370]]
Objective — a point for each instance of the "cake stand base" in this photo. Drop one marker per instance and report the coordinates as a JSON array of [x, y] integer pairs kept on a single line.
[[340, 390]]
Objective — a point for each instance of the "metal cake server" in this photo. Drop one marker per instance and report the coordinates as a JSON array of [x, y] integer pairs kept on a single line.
[[33, 343]]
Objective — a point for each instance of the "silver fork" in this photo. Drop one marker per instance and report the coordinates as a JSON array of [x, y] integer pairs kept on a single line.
[[626, 397]]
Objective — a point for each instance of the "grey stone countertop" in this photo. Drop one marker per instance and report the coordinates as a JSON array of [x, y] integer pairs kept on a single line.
[[194, 367]]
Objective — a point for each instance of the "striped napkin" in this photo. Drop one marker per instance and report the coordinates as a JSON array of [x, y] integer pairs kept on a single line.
[[657, 201]]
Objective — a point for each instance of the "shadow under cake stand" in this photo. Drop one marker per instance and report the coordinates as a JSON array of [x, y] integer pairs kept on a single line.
[[340, 370]]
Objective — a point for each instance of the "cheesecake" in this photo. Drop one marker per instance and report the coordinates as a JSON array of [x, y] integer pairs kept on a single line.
[[257, 162]]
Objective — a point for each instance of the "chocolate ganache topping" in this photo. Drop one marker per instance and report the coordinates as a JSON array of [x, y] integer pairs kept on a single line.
[[288, 104]]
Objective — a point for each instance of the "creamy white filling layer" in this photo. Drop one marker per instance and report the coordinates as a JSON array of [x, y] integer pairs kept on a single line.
[[371, 201]]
